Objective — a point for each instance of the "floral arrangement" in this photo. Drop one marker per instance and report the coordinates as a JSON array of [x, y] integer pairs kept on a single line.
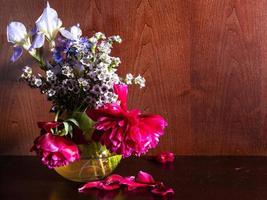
[[89, 99]]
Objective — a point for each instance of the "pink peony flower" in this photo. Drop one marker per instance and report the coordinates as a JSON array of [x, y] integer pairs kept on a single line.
[[126, 131], [55, 151]]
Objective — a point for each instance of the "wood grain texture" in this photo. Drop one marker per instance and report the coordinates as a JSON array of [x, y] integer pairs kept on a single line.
[[205, 63]]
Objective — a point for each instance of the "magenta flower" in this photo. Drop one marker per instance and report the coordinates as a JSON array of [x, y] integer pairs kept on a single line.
[[126, 131], [54, 150]]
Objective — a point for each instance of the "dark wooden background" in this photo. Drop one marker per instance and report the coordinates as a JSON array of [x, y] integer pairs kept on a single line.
[[205, 62]]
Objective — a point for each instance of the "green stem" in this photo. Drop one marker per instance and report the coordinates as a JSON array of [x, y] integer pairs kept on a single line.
[[57, 115], [39, 60]]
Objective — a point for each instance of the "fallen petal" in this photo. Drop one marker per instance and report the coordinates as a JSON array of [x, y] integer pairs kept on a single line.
[[143, 177], [90, 185], [162, 191], [114, 186], [113, 179], [142, 180], [165, 157]]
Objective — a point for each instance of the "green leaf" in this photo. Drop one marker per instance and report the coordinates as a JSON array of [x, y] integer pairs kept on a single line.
[[85, 123], [66, 127], [74, 121]]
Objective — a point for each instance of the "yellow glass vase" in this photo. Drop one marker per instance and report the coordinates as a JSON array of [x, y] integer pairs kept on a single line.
[[96, 163]]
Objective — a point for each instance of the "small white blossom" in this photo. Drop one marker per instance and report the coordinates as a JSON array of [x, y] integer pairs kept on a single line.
[[105, 58], [38, 82], [100, 35], [102, 65], [140, 81], [104, 88], [49, 73], [67, 71], [82, 82], [99, 103], [115, 38], [27, 70], [101, 77], [129, 78], [104, 47], [115, 78], [96, 89], [93, 40], [116, 61], [86, 61], [51, 92]]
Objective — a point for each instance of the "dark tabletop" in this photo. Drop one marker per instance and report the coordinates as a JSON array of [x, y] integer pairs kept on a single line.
[[23, 177]]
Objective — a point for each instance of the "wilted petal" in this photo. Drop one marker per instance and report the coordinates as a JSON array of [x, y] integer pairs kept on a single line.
[[38, 41], [114, 178], [47, 126], [165, 157], [90, 185], [142, 180], [162, 191], [114, 186], [48, 23], [143, 177], [16, 33], [135, 185], [112, 182], [17, 52]]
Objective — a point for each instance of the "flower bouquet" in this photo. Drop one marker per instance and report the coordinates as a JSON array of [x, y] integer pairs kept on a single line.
[[92, 128]]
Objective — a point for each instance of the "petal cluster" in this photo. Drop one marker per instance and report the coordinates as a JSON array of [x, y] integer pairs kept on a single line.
[[126, 132], [48, 23], [141, 180], [54, 150], [73, 34], [17, 34]]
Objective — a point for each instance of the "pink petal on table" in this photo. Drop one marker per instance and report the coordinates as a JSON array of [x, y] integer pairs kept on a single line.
[[142, 180], [90, 185], [143, 177], [114, 186], [110, 183], [135, 185], [165, 157], [162, 191], [131, 184]]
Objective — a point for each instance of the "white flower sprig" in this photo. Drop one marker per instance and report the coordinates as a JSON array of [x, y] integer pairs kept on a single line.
[[82, 73]]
